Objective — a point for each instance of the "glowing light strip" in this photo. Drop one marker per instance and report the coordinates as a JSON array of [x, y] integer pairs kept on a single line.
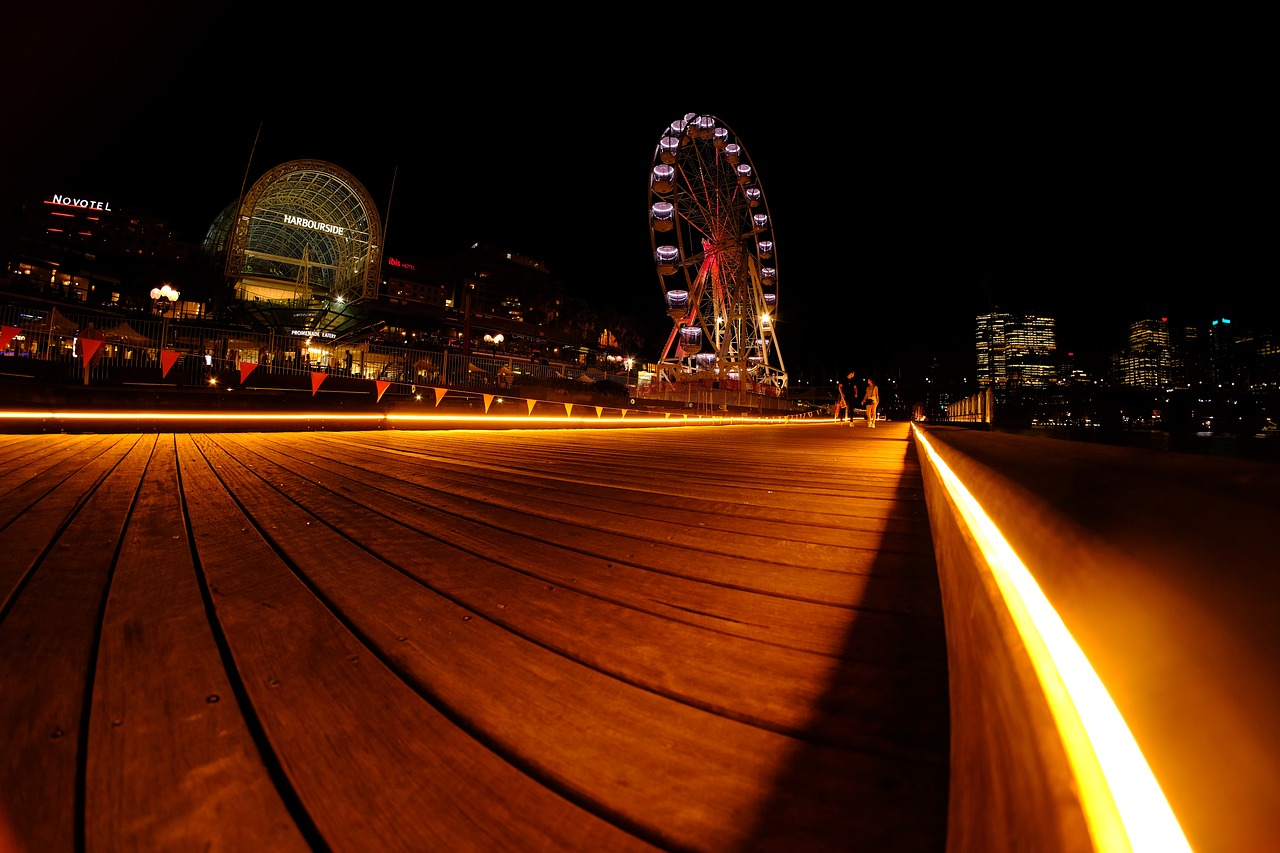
[[186, 416], [1123, 804], [585, 420]]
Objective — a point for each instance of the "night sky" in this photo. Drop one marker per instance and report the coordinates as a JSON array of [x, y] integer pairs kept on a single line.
[[911, 189]]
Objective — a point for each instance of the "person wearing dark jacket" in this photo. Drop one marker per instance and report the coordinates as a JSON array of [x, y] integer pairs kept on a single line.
[[848, 390]]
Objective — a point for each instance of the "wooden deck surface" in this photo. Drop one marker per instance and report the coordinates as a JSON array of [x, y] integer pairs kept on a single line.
[[701, 638]]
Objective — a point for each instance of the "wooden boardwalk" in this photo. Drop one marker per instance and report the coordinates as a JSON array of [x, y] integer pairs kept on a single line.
[[714, 638]]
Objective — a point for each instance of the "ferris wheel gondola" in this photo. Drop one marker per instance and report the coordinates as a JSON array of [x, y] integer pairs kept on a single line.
[[713, 248]]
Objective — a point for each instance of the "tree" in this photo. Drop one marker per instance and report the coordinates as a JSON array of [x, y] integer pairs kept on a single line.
[[579, 319]]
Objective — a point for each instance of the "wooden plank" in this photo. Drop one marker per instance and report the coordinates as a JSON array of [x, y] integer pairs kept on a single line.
[[172, 762], [36, 473], [841, 554], [21, 456], [31, 521], [47, 640], [454, 639], [689, 471], [654, 580], [547, 703], [834, 521], [470, 566], [360, 747]]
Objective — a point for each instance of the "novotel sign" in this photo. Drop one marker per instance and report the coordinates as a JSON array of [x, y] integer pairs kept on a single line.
[[87, 204], [312, 224]]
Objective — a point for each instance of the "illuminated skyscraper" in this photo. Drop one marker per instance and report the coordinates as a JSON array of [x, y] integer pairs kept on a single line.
[[1016, 349], [1148, 362], [1031, 351], [989, 344]]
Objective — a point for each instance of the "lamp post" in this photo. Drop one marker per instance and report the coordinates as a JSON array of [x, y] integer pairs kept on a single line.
[[162, 299]]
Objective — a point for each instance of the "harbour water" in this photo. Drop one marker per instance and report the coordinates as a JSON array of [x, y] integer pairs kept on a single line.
[[1260, 447]]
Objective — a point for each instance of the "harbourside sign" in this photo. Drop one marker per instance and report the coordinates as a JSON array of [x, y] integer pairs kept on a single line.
[[289, 219], [87, 204]]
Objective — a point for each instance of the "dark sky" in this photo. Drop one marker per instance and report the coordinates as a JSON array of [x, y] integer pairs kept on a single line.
[[911, 189]]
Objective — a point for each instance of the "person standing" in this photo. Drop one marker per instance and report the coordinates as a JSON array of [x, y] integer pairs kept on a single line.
[[871, 400], [848, 394]]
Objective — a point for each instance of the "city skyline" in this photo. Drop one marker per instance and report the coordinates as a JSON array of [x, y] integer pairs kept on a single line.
[[898, 218]]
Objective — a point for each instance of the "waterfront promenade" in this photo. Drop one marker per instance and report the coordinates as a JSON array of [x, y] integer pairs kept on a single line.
[[705, 638], [732, 636]]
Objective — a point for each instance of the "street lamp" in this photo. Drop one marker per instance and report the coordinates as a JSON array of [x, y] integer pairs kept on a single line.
[[162, 299]]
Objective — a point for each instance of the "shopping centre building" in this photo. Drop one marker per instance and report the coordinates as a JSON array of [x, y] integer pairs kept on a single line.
[[301, 252]]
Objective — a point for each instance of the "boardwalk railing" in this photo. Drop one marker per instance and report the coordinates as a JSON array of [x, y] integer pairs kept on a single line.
[[131, 353], [1140, 587], [975, 409]]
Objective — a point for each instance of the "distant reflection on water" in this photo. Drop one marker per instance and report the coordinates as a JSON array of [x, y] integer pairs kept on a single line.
[[1263, 447]]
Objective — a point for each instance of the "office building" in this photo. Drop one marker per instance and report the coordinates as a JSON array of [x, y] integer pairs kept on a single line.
[[1015, 350]]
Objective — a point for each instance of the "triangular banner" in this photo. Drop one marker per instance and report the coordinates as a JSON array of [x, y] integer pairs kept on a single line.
[[7, 334], [89, 348], [531, 403], [599, 409], [317, 379], [568, 409], [383, 385], [246, 367], [168, 358], [440, 392], [624, 413], [666, 415], [488, 399]]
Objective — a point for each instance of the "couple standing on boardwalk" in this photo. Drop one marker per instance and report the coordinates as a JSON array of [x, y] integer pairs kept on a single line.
[[848, 390]]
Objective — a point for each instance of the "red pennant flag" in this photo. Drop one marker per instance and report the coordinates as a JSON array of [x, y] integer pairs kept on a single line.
[[168, 358], [246, 367], [89, 348], [568, 409], [531, 403], [383, 385], [488, 398], [317, 379], [440, 392], [7, 334]]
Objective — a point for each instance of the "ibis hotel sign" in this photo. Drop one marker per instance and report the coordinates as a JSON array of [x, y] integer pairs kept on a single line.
[[85, 203], [289, 219]]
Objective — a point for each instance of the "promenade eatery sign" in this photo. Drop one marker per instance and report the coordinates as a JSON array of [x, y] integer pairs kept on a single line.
[[306, 232]]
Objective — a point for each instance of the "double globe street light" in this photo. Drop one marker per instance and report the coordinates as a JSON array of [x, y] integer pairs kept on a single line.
[[162, 299]]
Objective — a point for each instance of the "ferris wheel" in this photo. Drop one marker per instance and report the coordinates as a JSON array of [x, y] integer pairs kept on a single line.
[[713, 245]]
